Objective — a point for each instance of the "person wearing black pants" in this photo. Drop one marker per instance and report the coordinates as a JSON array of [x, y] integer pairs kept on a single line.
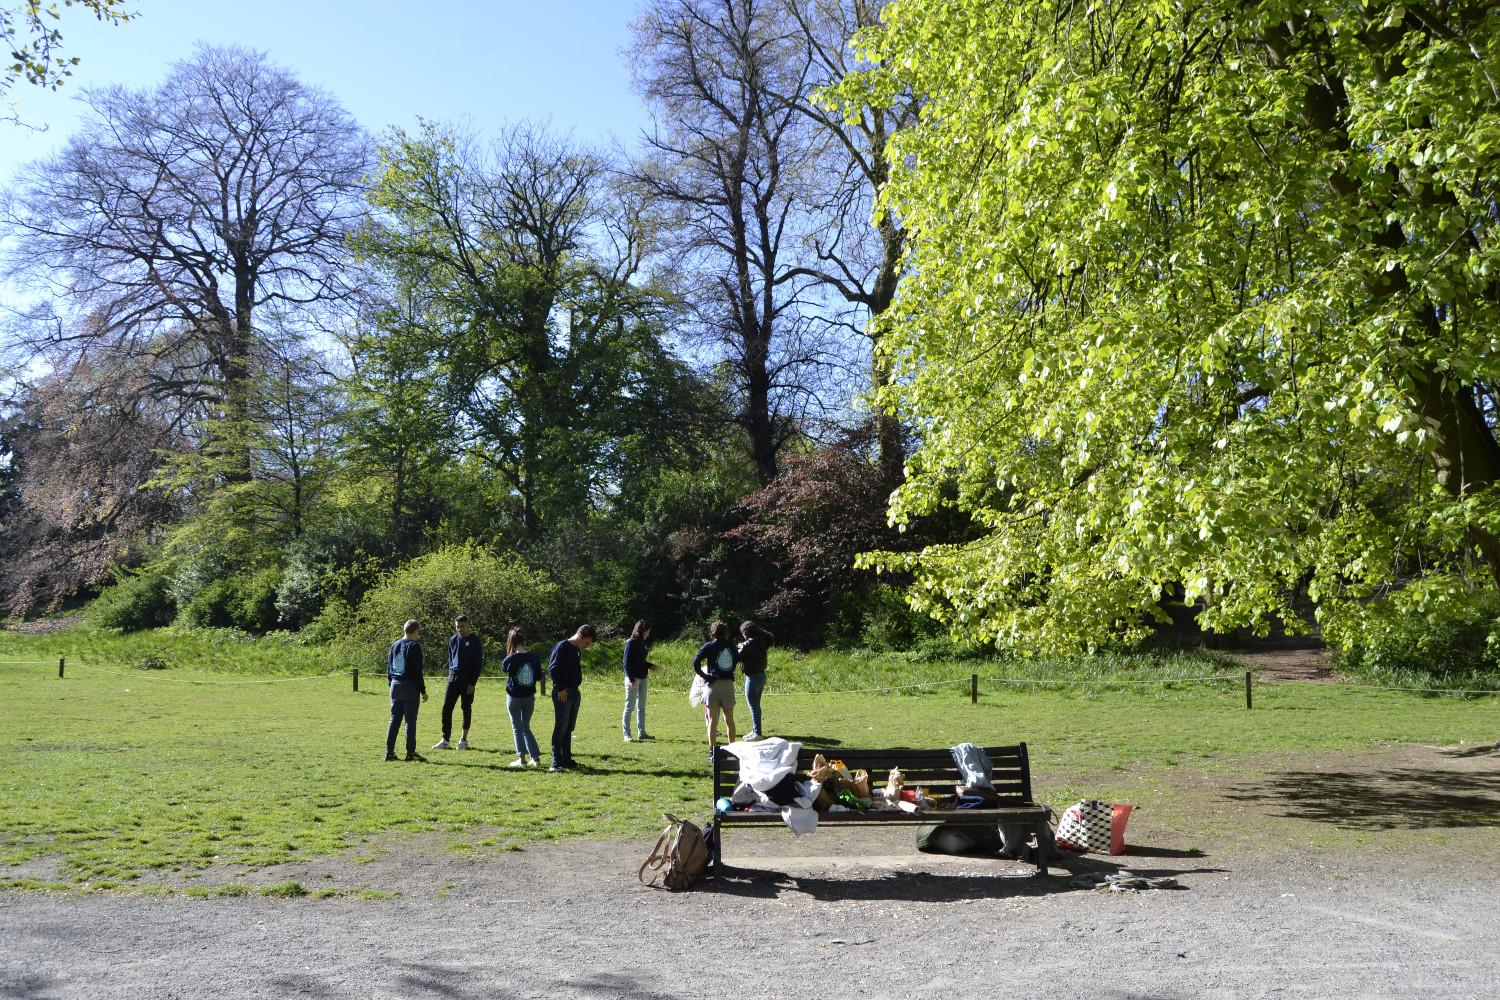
[[566, 670], [465, 660], [403, 668]]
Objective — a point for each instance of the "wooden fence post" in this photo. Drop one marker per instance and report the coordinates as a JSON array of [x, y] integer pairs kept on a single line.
[[356, 680], [1248, 702], [973, 689], [61, 661]]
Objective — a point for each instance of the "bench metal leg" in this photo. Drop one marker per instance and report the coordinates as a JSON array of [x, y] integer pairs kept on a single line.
[[1041, 850], [718, 835]]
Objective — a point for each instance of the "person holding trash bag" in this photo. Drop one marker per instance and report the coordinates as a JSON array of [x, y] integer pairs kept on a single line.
[[636, 674], [403, 668], [753, 650], [566, 670], [522, 670], [715, 663]]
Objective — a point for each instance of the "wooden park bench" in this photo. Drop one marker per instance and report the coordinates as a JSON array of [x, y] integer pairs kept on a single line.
[[933, 769]]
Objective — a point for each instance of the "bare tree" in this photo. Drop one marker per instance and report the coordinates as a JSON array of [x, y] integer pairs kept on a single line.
[[177, 212], [857, 251], [729, 159]]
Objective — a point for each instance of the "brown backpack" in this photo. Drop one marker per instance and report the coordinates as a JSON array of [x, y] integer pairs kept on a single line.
[[681, 850]]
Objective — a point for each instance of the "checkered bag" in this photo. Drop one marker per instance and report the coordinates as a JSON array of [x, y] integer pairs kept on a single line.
[[1095, 826]]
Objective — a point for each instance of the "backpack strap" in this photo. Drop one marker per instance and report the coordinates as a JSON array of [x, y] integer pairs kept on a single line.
[[659, 858]]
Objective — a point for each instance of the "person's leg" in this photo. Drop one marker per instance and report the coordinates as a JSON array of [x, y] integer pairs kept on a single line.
[[640, 707], [517, 724], [398, 711], [630, 696], [575, 699], [729, 722], [713, 727], [450, 695], [559, 727], [466, 699], [412, 704], [528, 705], [754, 685]]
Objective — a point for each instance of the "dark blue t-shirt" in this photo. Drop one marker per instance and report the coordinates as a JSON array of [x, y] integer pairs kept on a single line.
[[718, 660], [403, 664]]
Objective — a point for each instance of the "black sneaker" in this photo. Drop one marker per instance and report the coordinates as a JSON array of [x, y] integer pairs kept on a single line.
[[389, 755], [417, 757]]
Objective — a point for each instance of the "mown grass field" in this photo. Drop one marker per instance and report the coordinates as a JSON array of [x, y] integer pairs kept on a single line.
[[119, 774]]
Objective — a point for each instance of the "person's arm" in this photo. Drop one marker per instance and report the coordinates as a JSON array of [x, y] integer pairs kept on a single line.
[[554, 665], [700, 658], [416, 653], [475, 664]]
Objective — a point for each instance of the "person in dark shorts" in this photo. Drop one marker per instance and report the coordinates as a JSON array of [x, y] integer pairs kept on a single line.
[[465, 660], [522, 671], [753, 652], [403, 668], [566, 670]]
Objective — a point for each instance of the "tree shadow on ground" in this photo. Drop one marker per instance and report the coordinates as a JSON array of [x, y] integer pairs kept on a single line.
[[1398, 798], [913, 887]]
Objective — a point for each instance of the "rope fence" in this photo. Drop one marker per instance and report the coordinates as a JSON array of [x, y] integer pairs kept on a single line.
[[973, 680]]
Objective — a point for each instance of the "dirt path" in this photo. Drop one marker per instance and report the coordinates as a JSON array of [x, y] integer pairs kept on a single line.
[[1323, 875]]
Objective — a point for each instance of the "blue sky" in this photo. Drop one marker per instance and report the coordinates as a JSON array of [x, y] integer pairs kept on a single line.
[[488, 62]]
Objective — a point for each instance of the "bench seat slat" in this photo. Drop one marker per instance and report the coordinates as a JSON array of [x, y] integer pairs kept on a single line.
[[961, 817]]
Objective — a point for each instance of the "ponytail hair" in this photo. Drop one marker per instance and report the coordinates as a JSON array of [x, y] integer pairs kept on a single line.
[[515, 639], [640, 630], [750, 630], [719, 632]]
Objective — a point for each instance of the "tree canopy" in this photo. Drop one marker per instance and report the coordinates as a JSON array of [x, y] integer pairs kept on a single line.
[[1200, 295]]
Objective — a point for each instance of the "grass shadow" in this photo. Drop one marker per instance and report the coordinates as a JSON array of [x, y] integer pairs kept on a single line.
[[1405, 798]]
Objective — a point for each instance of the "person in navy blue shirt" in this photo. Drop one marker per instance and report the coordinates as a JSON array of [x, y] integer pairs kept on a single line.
[[715, 663], [465, 661], [403, 668], [566, 670], [637, 670], [523, 669]]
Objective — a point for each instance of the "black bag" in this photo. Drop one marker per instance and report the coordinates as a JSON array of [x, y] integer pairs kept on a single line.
[[953, 838]]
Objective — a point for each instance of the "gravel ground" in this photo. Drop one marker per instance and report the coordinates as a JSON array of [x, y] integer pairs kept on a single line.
[[571, 921], [1360, 875]]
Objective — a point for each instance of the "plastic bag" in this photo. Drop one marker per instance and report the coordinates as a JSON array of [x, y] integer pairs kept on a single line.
[[698, 693]]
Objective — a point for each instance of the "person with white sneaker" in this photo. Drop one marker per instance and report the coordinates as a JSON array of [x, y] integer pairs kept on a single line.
[[636, 673], [522, 671], [465, 661]]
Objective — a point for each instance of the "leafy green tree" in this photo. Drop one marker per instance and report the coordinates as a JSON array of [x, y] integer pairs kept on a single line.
[[1198, 293], [547, 337]]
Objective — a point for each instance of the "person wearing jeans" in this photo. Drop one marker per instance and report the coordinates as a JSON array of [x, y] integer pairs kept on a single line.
[[403, 668], [566, 670], [753, 652], [637, 671], [522, 670]]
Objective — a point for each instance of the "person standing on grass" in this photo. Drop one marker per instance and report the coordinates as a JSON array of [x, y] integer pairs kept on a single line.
[[403, 668], [715, 662], [753, 652], [566, 670], [522, 670], [636, 672], [465, 660]]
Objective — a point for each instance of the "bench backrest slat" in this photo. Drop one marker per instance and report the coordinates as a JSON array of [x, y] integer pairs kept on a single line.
[[934, 769]]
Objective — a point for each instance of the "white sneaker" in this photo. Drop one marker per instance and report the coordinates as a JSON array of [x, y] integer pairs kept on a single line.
[[518, 762], [536, 763], [628, 739], [442, 745], [463, 744]]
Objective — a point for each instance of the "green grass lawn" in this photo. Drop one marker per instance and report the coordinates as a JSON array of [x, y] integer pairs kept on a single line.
[[117, 774]]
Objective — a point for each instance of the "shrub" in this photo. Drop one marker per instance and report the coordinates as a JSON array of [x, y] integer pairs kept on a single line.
[[245, 601], [140, 600], [1433, 633], [496, 591]]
